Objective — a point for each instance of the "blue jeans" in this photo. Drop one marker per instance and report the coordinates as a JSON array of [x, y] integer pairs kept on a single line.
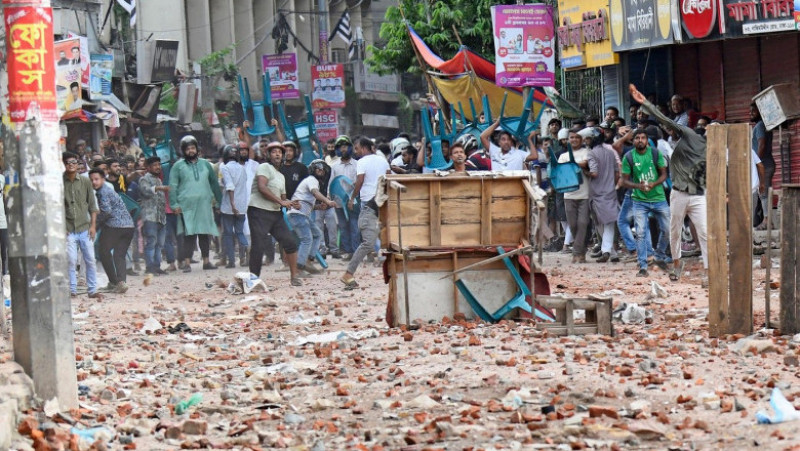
[[349, 235], [172, 245], [308, 235], [624, 222], [660, 211], [75, 240], [232, 224], [154, 234]]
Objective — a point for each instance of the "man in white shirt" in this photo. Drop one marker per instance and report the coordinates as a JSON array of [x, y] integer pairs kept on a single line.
[[234, 204], [576, 202], [305, 196], [368, 170], [505, 157], [348, 224]]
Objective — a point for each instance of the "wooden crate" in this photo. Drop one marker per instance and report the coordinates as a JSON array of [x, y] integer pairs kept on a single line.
[[432, 292], [456, 211]]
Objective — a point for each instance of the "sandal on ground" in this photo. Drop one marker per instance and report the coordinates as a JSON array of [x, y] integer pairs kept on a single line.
[[675, 274], [296, 282], [349, 283]]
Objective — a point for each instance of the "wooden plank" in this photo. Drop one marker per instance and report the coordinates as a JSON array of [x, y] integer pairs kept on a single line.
[[578, 304], [717, 186], [414, 212], [394, 305], [462, 189], [768, 269], [435, 202], [418, 235], [560, 331], [486, 213], [740, 223], [461, 211], [509, 209], [570, 318], [508, 232], [789, 248], [446, 264], [603, 319], [456, 293]]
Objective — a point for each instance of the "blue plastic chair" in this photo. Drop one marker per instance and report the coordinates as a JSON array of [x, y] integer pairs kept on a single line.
[[520, 127], [437, 154], [301, 132], [256, 112], [317, 255], [163, 149], [517, 301], [341, 189]]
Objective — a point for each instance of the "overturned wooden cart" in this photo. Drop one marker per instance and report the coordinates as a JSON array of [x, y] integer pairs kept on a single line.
[[434, 229]]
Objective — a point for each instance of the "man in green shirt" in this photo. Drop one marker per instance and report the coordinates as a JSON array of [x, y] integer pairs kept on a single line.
[[645, 179], [80, 215]]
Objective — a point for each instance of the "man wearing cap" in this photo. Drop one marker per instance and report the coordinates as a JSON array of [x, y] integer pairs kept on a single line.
[[153, 202], [505, 157], [267, 197], [194, 190], [293, 171]]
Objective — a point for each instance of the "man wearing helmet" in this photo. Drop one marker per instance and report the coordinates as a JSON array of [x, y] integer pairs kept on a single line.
[[234, 204], [348, 224], [267, 197], [305, 197], [194, 188]]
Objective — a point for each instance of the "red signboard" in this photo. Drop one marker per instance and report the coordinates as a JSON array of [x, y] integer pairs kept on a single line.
[[327, 125], [699, 17], [31, 66], [328, 82]]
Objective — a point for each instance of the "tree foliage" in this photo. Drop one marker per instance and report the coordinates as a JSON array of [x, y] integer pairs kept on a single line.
[[433, 20]]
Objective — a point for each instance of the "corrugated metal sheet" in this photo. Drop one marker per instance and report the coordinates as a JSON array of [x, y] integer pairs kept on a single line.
[[611, 88], [742, 77], [710, 78]]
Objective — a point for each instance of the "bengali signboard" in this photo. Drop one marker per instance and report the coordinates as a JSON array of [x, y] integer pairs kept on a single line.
[[637, 24], [29, 59], [69, 74], [584, 37], [524, 40], [282, 72], [328, 81], [704, 20], [327, 125], [102, 69]]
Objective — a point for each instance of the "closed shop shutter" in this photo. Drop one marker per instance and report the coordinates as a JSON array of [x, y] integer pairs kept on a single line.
[[780, 63], [611, 89], [686, 81], [709, 63], [742, 77], [650, 70]]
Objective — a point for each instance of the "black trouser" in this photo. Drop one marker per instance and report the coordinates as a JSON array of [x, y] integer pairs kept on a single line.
[[112, 247], [262, 224], [4, 249], [189, 242]]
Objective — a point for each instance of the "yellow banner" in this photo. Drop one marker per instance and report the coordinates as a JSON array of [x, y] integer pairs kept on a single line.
[[463, 89], [584, 34]]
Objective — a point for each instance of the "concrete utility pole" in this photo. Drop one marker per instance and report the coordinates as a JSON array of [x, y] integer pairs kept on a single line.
[[42, 314], [323, 31]]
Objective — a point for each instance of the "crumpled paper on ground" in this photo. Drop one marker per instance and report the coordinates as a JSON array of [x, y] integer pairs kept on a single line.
[[245, 282]]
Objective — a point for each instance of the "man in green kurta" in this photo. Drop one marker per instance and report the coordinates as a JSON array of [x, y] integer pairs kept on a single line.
[[194, 188]]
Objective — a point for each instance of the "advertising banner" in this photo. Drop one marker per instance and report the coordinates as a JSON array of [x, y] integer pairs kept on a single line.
[[524, 43], [282, 72], [31, 76], [328, 82], [102, 69], [584, 35], [327, 125], [705, 20], [68, 74], [637, 24]]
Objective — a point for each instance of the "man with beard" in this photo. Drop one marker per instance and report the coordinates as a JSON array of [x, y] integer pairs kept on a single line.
[[603, 166], [80, 218], [234, 205], [267, 197], [115, 176], [348, 224], [645, 179], [194, 188], [293, 171], [576, 203], [250, 169]]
